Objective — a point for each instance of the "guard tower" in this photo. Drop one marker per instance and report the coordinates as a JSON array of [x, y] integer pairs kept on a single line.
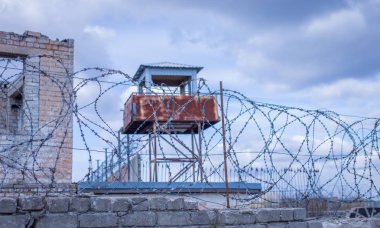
[[168, 102]]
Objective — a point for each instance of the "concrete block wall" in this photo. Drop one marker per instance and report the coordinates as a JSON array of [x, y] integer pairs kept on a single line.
[[108, 211], [41, 150]]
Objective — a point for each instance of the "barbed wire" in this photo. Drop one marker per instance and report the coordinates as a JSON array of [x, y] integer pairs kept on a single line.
[[311, 153]]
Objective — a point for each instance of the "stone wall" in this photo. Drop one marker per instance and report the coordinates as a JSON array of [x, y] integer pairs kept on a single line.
[[117, 211], [36, 142]]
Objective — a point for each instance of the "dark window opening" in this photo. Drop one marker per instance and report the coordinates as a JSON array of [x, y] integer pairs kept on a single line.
[[170, 84], [11, 95]]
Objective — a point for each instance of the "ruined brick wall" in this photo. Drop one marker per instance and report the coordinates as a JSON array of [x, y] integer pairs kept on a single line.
[[38, 111]]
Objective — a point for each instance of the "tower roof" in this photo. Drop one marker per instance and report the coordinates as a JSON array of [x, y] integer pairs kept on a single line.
[[164, 65]]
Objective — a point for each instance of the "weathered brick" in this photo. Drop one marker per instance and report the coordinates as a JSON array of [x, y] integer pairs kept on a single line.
[[268, 215], [297, 225], [121, 204], [8, 205], [247, 217], [287, 215], [263, 216], [158, 203], [100, 204], [198, 226], [59, 204], [32, 34], [275, 215], [315, 224], [257, 225], [299, 213], [98, 220], [57, 220], [232, 217], [33, 203], [146, 218], [14, 221], [203, 218], [227, 217], [189, 205], [140, 204], [176, 204], [277, 225], [173, 218]]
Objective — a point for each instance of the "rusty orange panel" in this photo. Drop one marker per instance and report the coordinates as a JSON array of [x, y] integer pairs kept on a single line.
[[182, 110]]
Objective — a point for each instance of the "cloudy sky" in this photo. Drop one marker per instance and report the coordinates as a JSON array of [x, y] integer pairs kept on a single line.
[[312, 54]]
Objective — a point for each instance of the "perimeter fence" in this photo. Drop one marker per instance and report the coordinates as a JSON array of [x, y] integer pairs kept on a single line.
[[294, 154]]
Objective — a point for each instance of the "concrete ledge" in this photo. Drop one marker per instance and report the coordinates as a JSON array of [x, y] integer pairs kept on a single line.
[[167, 187]]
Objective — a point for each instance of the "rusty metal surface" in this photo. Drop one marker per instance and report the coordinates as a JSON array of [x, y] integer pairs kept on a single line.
[[183, 112]]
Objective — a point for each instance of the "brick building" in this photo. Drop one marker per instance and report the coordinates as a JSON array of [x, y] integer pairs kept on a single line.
[[36, 92]]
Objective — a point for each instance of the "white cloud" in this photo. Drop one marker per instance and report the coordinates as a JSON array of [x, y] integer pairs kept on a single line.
[[277, 87], [276, 60], [349, 87], [298, 138], [340, 23], [99, 31], [3, 5], [126, 94], [30, 10], [87, 93]]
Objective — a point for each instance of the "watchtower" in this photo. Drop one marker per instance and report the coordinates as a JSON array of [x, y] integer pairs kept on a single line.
[[169, 102]]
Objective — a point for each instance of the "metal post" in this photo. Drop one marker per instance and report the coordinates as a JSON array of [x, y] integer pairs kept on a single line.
[[111, 165], [97, 171], [119, 153], [224, 146], [128, 159], [155, 152], [106, 163], [90, 172], [192, 150], [150, 157], [139, 168], [200, 159]]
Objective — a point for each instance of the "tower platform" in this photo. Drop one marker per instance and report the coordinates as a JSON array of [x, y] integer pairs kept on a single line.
[[180, 114]]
